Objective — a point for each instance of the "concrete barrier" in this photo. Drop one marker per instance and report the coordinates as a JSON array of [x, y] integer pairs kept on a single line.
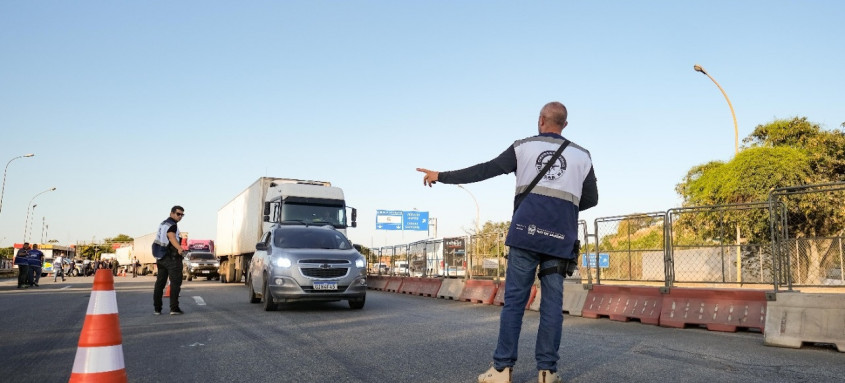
[[795, 318], [717, 309], [623, 303], [574, 297], [393, 284], [376, 282], [451, 288], [429, 287], [410, 285], [479, 291]]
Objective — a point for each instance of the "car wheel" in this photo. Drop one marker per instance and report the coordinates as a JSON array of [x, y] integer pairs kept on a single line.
[[269, 305], [190, 277], [357, 304], [253, 298], [207, 278]]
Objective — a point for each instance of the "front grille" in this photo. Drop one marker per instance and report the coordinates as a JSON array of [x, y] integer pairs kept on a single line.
[[322, 261], [310, 290], [316, 272]]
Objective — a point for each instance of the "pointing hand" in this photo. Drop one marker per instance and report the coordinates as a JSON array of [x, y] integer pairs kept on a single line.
[[430, 177]]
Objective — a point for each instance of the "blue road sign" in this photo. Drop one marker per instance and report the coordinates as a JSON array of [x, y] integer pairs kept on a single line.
[[604, 260], [415, 220], [389, 220]]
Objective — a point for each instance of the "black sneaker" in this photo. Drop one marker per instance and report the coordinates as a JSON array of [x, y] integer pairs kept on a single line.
[[176, 312]]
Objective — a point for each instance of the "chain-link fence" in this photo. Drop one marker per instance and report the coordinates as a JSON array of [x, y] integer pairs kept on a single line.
[[796, 238], [487, 255], [808, 227], [720, 244], [631, 248]]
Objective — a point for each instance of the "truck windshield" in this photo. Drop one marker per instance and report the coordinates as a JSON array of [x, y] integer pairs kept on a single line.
[[318, 214], [202, 256], [296, 238]]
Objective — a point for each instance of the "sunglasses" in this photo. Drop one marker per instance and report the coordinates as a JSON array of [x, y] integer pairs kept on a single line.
[[180, 214]]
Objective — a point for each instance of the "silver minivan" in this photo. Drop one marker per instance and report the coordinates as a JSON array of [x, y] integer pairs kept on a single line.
[[299, 262]]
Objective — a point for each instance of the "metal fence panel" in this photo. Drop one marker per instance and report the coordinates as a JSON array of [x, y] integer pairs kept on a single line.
[[808, 226], [720, 244], [631, 248]]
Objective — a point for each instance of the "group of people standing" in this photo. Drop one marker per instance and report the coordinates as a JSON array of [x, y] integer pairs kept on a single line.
[[29, 261]]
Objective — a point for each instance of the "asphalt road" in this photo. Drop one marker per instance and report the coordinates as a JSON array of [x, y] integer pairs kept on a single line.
[[395, 338]]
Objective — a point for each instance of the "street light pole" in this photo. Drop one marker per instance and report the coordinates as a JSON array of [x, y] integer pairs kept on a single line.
[[698, 68], [3, 189], [26, 222], [468, 273]]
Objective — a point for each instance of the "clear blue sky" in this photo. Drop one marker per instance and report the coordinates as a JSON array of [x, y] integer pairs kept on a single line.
[[132, 107]]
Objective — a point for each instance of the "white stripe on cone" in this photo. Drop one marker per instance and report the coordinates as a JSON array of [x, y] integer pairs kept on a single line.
[[102, 302], [98, 359]]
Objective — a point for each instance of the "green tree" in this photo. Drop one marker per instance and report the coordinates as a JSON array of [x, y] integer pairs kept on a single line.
[[92, 250], [120, 238], [782, 153]]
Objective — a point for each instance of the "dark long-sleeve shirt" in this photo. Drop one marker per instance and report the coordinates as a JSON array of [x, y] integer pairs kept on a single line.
[[506, 163]]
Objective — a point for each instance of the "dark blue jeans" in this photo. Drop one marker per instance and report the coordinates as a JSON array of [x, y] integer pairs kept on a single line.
[[171, 267], [522, 269], [23, 275], [36, 274]]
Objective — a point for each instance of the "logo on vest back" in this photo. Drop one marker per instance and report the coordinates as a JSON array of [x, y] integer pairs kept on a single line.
[[532, 229], [557, 168]]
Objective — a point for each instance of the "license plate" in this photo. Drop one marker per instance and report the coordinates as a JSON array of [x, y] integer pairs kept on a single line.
[[325, 285], [205, 271]]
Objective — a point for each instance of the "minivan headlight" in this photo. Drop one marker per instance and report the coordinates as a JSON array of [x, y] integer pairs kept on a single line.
[[282, 262], [360, 263]]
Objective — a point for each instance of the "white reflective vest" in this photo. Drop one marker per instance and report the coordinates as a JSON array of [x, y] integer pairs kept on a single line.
[[546, 221]]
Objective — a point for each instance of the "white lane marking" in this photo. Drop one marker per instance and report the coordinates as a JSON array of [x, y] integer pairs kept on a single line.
[[64, 288], [199, 300]]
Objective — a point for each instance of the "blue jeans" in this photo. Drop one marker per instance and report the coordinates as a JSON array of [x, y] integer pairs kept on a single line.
[[522, 269]]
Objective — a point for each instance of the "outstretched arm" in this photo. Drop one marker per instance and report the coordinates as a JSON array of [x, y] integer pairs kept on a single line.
[[503, 164]]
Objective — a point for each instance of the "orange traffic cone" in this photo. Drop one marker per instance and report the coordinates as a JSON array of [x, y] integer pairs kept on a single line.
[[167, 289], [99, 356]]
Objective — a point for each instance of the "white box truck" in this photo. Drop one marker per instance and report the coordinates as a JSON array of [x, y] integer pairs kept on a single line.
[[242, 221], [142, 248]]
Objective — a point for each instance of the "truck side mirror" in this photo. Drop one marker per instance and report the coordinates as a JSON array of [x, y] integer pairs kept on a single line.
[[266, 211], [354, 217], [261, 246]]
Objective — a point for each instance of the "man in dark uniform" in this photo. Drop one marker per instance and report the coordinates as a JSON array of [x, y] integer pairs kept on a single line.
[[36, 262], [22, 261], [168, 254]]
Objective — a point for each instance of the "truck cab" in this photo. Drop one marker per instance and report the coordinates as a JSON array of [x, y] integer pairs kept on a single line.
[[307, 202], [272, 201]]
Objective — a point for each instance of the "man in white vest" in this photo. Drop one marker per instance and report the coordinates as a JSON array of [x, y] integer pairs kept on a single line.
[[168, 253], [543, 232]]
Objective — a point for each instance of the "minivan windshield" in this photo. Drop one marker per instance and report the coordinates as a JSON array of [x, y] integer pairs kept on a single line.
[[310, 238]]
